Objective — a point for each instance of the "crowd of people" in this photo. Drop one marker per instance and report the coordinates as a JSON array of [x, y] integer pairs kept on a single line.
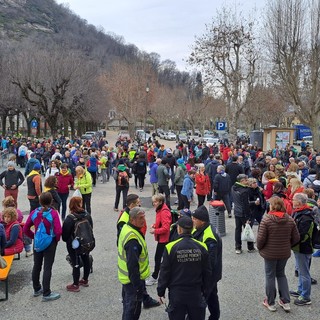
[[278, 190]]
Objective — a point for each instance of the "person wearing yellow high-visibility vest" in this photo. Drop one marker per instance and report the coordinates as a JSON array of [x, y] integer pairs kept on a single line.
[[207, 234], [186, 272], [133, 264]]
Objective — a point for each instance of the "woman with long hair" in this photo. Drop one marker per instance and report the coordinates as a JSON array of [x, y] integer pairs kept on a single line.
[[276, 235], [84, 185], [68, 230]]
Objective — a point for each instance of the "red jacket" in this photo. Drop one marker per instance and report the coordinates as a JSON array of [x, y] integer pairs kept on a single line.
[[268, 191], [162, 225], [64, 181], [202, 184]]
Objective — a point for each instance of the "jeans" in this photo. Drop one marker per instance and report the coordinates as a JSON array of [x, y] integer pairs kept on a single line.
[[131, 302], [45, 257], [104, 175], [166, 191], [240, 223], [86, 202], [64, 198], [157, 259], [276, 269], [124, 191], [304, 278]]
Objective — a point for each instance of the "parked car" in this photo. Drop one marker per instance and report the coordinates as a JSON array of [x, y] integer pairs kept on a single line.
[[162, 135], [171, 136], [183, 138], [212, 141], [87, 136], [144, 137], [124, 135]]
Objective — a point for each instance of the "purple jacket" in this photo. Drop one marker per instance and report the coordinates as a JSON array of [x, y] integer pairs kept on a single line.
[[153, 172]]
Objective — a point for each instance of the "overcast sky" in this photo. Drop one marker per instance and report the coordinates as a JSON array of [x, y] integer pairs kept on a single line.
[[167, 27]]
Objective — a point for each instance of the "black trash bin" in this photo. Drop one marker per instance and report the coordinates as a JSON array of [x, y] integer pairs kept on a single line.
[[217, 216]]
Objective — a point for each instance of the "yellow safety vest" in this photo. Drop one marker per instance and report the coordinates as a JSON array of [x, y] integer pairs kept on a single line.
[[170, 245], [124, 217], [128, 233], [207, 234]]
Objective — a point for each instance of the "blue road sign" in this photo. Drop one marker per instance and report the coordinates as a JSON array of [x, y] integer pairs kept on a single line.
[[34, 123], [221, 125]]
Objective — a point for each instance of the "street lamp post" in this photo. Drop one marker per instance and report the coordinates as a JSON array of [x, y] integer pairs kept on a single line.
[[146, 113]]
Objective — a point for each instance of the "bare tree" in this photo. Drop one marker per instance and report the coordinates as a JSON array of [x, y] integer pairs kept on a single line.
[[227, 56], [50, 80], [293, 34]]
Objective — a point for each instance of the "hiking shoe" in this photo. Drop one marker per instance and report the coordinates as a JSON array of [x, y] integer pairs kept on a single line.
[[38, 293], [151, 281], [52, 296], [270, 307], [29, 253], [115, 209], [83, 283], [316, 254], [229, 215], [294, 294], [252, 250], [285, 306], [73, 287], [151, 303], [314, 281], [238, 251], [301, 301]]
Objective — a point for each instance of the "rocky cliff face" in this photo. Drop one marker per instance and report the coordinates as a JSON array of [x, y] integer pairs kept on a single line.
[[19, 18]]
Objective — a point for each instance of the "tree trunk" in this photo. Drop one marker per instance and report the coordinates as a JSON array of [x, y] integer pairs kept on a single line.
[[314, 126]]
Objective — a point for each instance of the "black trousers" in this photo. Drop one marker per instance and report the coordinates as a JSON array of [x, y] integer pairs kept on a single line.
[[186, 203], [201, 200], [141, 177], [34, 203], [157, 259], [240, 223], [86, 202], [94, 177], [76, 268], [124, 191], [213, 303], [45, 258]]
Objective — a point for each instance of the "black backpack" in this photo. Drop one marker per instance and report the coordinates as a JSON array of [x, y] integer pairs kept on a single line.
[[83, 233]]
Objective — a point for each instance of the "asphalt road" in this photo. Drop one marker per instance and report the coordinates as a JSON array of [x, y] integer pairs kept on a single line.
[[241, 289]]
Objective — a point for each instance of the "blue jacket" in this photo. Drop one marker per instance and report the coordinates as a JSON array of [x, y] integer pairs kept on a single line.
[[153, 172], [2, 239], [187, 188]]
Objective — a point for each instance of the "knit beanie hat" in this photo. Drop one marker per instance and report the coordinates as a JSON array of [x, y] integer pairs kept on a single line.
[[201, 213], [11, 164], [180, 161], [37, 166]]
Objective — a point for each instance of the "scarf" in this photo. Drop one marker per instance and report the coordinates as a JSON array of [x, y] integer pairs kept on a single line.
[[278, 214]]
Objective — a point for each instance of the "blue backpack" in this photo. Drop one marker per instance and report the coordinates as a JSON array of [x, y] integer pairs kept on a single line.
[[42, 239]]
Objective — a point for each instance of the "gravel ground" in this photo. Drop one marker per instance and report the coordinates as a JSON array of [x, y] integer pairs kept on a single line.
[[241, 289]]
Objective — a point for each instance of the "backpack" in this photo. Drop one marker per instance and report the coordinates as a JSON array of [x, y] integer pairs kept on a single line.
[[316, 186], [42, 239], [84, 234], [316, 236], [22, 153], [123, 179]]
